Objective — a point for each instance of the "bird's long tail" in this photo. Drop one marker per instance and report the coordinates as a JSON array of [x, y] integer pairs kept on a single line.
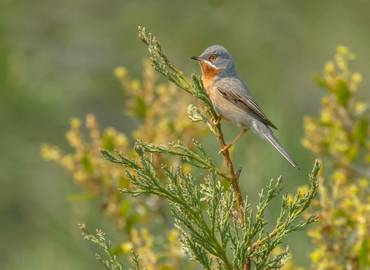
[[271, 139]]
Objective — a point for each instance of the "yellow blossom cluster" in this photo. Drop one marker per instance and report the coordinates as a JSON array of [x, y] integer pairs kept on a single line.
[[96, 176], [341, 137], [159, 109], [143, 243], [159, 106], [342, 130]]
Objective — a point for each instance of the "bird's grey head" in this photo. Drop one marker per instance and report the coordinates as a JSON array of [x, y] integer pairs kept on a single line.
[[217, 57]]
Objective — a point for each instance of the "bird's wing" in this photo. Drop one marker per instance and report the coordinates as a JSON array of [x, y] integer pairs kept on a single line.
[[244, 102]]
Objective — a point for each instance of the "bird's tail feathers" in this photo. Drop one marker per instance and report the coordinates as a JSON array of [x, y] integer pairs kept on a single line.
[[271, 139]]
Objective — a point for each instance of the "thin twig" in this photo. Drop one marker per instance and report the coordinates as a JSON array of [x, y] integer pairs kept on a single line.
[[234, 176], [247, 266]]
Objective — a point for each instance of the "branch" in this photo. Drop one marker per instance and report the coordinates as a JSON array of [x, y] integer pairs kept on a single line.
[[299, 204], [234, 176]]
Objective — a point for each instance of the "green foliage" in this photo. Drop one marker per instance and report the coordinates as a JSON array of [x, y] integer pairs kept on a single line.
[[110, 262], [341, 136], [203, 209]]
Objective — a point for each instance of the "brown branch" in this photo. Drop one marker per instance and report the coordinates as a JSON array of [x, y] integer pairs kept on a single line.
[[247, 266], [234, 175]]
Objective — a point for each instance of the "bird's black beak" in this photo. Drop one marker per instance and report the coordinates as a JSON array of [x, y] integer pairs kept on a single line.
[[196, 58]]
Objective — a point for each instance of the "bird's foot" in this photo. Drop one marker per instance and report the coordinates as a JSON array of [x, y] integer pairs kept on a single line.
[[217, 120], [225, 148]]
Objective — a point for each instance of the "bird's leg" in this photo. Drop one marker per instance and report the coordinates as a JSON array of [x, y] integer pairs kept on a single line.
[[227, 146]]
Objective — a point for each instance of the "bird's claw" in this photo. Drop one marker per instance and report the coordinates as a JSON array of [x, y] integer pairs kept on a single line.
[[217, 120], [238, 172]]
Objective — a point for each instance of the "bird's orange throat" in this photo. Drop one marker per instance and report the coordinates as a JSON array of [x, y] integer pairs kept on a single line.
[[208, 74]]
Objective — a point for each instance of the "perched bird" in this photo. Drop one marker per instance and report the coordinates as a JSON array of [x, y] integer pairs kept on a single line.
[[232, 99]]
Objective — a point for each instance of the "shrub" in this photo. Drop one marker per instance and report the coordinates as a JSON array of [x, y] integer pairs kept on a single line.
[[166, 165], [340, 135]]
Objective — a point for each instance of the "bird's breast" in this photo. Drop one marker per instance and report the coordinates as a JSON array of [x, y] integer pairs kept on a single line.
[[208, 75]]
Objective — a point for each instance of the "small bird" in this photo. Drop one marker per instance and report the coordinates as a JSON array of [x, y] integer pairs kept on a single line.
[[232, 99]]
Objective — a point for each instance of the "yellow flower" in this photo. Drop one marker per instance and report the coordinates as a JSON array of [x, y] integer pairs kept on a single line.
[[162, 90], [306, 143], [314, 233], [339, 177], [126, 247], [111, 132], [135, 85], [290, 199], [360, 107], [329, 67], [90, 121], [341, 147], [326, 116], [80, 176], [343, 50], [356, 77], [120, 72], [73, 138], [121, 140], [353, 190], [67, 162], [316, 255], [186, 168], [49, 152], [303, 190], [347, 203], [172, 236], [75, 123], [309, 124], [342, 64]]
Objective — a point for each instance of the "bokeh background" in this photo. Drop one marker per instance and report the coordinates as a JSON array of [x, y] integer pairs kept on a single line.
[[57, 60]]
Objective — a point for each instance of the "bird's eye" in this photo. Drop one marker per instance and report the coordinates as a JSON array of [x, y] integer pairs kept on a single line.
[[212, 57]]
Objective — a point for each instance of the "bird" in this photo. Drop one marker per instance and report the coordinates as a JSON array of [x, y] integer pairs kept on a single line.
[[231, 98]]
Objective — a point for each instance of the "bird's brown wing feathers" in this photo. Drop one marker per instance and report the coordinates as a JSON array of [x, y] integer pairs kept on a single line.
[[247, 104]]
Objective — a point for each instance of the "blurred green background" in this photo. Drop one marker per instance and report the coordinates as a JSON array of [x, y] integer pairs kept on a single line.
[[56, 62]]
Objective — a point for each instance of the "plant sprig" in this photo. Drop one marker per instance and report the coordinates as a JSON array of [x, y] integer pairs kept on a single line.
[[204, 214]]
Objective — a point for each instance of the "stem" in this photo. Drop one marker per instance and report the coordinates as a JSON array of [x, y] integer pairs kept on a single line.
[[234, 176], [247, 266], [221, 251]]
